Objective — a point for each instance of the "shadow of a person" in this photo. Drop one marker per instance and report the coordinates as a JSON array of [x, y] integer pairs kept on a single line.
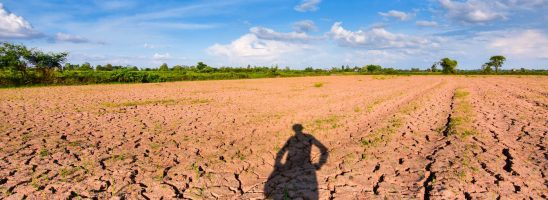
[[296, 177]]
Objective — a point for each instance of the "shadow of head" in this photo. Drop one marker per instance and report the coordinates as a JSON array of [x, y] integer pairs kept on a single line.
[[298, 128]]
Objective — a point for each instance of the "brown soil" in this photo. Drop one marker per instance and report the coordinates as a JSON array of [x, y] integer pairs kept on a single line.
[[364, 137]]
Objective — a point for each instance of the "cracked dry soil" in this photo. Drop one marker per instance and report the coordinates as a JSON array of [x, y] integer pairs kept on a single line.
[[360, 137]]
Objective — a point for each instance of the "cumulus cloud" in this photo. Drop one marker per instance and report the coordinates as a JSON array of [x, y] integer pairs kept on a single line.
[[264, 46], [15, 27], [474, 11], [526, 44], [427, 23], [269, 34], [308, 5], [304, 26], [377, 38], [63, 37], [159, 56], [250, 45], [402, 16]]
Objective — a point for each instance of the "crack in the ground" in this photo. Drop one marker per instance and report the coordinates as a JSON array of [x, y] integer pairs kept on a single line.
[[178, 193], [509, 162], [237, 176], [376, 187], [427, 184]]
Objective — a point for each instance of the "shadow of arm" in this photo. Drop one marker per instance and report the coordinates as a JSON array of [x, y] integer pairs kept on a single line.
[[323, 151], [280, 155]]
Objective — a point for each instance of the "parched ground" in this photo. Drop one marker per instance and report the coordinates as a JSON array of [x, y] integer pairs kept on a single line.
[[383, 137]]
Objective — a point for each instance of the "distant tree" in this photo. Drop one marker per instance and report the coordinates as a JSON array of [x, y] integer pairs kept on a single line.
[[434, 67], [486, 68], [163, 67], [99, 68], [131, 68], [108, 67], [448, 66], [177, 68], [85, 67], [46, 63], [373, 68], [389, 71], [309, 69], [496, 61], [117, 67], [68, 66], [415, 69], [201, 66], [12, 57]]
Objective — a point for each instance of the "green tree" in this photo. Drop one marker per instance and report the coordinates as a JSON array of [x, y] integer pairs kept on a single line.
[[108, 67], [85, 67], [448, 66], [201, 66], [177, 68], [46, 63], [496, 61], [68, 66], [373, 68], [164, 67], [434, 67], [12, 57], [486, 68]]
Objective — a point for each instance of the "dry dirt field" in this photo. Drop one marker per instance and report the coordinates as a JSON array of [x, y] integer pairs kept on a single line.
[[336, 137]]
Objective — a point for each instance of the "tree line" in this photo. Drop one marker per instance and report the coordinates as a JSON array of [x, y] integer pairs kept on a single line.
[[20, 65]]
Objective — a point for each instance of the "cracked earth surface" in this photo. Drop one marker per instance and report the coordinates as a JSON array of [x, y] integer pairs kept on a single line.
[[369, 137]]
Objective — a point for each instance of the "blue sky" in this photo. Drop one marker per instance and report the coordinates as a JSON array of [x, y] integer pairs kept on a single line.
[[295, 33]]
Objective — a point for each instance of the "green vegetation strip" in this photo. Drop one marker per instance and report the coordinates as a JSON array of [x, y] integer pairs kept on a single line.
[[462, 117]]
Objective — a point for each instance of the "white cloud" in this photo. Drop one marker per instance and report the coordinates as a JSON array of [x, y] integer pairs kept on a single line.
[[377, 38], [483, 11], [149, 46], [263, 46], [427, 23], [525, 3], [63, 37], [249, 45], [159, 56], [13, 26], [269, 34], [474, 11], [402, 16], [304, 26], [525, 44], [308, 5]]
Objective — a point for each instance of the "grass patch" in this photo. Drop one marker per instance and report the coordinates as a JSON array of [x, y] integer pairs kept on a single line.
[[44, 152], [326, 123], [318, 85], [67, 172], [463, 116], [154, 146], [239, 155], [382, 134]]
